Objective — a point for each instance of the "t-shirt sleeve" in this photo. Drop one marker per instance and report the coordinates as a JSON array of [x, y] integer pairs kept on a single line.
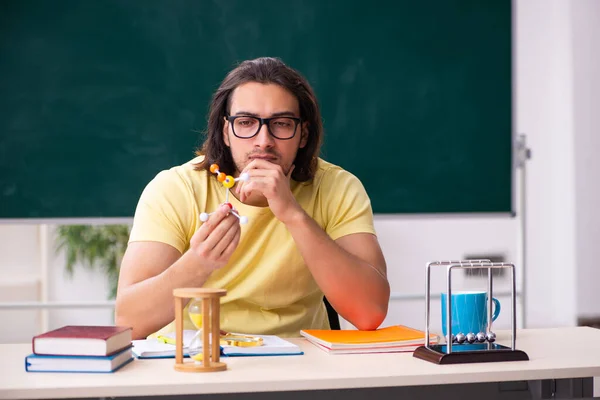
[[347, 205], [164, 212]]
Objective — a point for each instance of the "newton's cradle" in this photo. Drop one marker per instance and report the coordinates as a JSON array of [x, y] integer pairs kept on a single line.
[[471, 347]]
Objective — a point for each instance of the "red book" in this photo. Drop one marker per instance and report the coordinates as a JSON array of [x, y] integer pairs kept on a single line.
[[79, 340]]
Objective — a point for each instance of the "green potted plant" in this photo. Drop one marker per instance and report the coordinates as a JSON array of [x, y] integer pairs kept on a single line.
[[94, 247]]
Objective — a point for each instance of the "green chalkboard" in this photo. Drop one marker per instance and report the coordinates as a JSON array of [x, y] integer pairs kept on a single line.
[[97, 96]]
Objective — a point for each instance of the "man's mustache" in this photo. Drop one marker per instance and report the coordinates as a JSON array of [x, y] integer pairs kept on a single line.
[[271, 153]]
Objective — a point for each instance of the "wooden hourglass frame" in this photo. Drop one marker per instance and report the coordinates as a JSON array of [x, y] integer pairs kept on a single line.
[[211, 307]]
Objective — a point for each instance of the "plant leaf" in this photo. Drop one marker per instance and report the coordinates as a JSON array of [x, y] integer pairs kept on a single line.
[[93, 247]]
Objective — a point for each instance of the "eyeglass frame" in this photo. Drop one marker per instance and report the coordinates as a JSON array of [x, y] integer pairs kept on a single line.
[[263, 121]]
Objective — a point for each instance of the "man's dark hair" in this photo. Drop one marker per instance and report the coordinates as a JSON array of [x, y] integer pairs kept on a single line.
[[263, 70]]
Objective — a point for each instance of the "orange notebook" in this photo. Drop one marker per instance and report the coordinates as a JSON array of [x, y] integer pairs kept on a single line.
[[392, 338]]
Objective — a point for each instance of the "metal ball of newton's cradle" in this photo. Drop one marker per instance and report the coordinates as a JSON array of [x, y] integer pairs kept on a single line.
[[460, 338], [481, 337], [471, 337], [491, 337]]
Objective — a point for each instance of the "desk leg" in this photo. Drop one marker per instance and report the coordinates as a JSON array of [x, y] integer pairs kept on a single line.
[[575, 388]]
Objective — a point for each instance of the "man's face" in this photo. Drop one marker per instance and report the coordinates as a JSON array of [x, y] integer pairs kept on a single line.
[[265, 101]]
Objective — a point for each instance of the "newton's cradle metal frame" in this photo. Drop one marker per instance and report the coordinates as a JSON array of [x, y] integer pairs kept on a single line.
[[458, 353]]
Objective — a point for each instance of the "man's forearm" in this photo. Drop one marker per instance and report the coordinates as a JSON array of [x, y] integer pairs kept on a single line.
[[147, 306], [357, 290]]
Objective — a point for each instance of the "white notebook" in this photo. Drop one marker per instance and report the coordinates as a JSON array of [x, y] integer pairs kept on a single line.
[[272, 346]]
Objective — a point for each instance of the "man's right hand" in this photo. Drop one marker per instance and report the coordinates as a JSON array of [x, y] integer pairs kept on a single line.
[[216, 240]]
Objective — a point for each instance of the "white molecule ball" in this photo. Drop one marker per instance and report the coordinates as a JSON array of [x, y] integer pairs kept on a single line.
[[244, 177], [204, 217], [243, 220]]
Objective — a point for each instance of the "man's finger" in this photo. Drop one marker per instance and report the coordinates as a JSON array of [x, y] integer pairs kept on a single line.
[[259, 163], [222, 242], [231, 246], [261, 172], [217, 234], [240, 184], [258, 184], [213, 221]]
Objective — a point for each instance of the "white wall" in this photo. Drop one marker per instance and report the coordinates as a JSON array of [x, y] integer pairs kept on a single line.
[[544, 111], [410, 242], [556, 92], [85, 285], [20, 260], [586, 85], [18, 266]]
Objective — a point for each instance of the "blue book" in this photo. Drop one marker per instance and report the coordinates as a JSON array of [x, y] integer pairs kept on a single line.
[[48, 363]]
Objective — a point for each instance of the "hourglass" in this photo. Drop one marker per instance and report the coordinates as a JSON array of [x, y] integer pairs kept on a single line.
[[204, 311]]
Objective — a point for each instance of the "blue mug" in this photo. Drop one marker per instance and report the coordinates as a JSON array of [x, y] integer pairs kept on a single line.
[[469, 312]]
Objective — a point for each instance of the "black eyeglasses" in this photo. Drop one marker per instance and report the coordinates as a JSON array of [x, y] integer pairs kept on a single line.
[[246, 127]]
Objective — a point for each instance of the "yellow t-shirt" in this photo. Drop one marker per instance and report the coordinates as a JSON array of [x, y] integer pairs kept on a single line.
[[269, 287]]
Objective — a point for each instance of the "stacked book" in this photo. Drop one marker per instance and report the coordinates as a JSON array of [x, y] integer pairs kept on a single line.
[[396, 338], [81, 349]]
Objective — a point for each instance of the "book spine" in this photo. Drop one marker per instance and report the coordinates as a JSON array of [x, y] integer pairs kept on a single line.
[[130, 345]]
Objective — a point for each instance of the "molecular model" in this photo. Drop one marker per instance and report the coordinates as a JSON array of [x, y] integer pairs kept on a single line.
[[228, 182]]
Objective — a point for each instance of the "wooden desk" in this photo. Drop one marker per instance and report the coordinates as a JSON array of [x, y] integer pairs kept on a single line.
[[564, 360]]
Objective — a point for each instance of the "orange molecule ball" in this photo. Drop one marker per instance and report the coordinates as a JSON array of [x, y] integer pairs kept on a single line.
[[229, 182], [214, 168], [221, 177]]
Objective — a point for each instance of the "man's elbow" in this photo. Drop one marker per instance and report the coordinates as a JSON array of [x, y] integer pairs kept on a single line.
[[371, 319], [369, 322], [120, 318], [123, 318], [372, 316], [120, 308]]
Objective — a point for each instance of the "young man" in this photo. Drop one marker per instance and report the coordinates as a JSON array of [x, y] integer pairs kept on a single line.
[[310, 225]]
